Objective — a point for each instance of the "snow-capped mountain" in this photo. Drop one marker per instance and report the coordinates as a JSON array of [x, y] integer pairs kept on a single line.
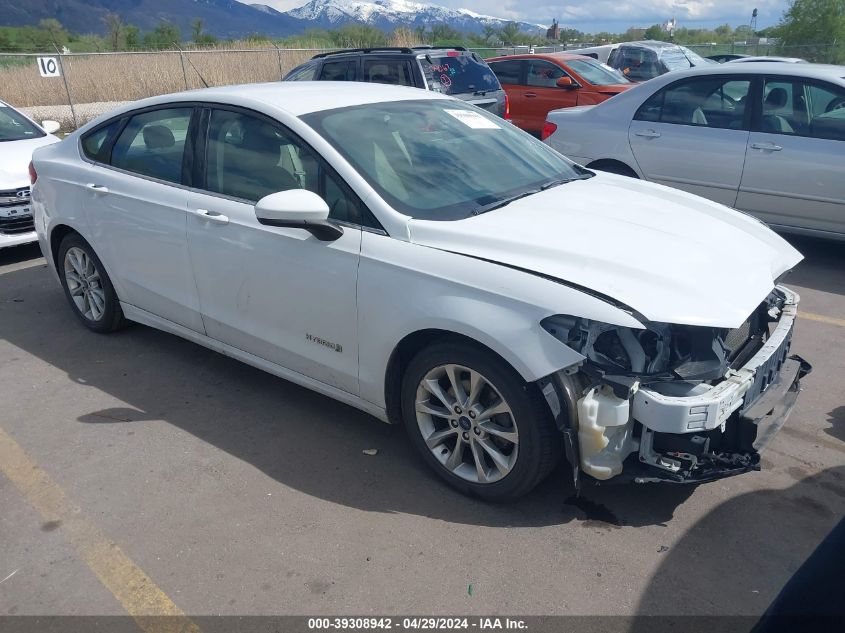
[[388, 14]]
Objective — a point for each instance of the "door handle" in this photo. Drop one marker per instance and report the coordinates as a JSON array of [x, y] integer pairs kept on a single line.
[[766, 147], [530, 95], [210, 216], [97, 188], [647, 134]]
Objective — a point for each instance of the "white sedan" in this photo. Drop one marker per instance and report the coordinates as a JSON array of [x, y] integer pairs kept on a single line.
[[19, 135], [418, 258], [767, 138]]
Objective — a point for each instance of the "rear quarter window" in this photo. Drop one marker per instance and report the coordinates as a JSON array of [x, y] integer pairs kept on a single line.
[[461, 74]]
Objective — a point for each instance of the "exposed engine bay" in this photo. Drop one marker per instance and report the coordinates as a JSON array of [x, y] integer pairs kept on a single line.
[[672, 402]]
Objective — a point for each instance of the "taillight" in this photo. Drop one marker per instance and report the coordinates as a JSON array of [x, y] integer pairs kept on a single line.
[[33, 176], [548, 129], [507, 114]]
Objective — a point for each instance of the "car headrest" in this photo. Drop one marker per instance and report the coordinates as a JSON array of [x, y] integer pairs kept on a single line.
[[777, 98], [158, 137]]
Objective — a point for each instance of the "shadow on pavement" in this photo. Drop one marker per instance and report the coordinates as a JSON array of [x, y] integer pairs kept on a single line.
[[837, 423], [824, 261], [300, 438], [723, 551]]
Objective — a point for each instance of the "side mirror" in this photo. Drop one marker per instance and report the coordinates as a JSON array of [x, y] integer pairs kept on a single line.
[[51, 127], [298, 209], [566, 82]]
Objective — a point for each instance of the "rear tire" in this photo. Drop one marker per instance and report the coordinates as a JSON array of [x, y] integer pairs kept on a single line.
[[87, 286], [492, 436]]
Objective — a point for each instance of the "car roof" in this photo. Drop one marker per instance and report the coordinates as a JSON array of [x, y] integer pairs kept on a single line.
[[294, 97], [827, 72], [765, 58], [391, 50], [561, 57], [653, 44]]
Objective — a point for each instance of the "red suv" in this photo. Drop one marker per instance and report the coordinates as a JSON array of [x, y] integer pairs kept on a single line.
[[537, 84]]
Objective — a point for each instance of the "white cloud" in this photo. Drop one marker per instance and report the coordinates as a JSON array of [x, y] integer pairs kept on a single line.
[[614, 15]]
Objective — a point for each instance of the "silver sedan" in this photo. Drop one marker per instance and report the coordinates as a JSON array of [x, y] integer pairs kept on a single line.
[[766, 138]]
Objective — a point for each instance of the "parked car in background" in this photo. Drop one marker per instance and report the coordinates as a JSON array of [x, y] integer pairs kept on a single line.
[[19, 135], [384, 247], [762, 58], [641, 61], [725, 57], [537, 84], [456, 72], [768, 139]]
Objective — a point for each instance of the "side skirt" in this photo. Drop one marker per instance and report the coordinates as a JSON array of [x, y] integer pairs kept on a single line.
[[146, 318]]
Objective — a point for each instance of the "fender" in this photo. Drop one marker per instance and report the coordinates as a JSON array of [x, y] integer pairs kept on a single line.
[[497, 306]]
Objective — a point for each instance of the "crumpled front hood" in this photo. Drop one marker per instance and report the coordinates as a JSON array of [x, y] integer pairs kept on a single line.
[[14, 160], [671, 256]]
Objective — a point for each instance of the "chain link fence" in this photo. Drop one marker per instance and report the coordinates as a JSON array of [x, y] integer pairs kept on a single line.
[[90, 84]]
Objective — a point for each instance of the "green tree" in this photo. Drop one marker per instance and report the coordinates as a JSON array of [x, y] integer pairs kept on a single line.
[[510, 33], [132, 37], [163, 36], [55, 31], [656, 32], [817, 27], [115, 30]]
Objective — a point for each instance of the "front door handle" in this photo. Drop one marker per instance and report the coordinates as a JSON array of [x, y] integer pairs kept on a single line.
[[766, 147], [210, 216], [530, 95], [647, 134], [97, 188]]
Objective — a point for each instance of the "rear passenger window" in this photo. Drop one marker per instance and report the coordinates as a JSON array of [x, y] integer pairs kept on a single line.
[[803, 109], [346, 70], [706, 102], [543, 74], [153, 144], [94, 144], [387, 71], [508, 71]]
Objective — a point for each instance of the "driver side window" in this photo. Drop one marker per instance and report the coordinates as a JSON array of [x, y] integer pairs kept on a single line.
[[249, 157]]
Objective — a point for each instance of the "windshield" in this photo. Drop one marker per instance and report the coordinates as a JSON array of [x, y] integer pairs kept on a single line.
[[681, 58], [458, 74], [441, 159], [596, 73], [15, 127]]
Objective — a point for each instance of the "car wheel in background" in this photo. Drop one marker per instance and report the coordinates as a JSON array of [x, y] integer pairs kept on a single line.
[[87, 286], [474, 420]]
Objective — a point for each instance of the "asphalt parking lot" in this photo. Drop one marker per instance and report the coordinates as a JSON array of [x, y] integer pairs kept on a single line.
[[141, 473]]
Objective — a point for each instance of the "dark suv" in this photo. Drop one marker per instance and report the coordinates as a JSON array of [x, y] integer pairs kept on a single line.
[[453, 71]]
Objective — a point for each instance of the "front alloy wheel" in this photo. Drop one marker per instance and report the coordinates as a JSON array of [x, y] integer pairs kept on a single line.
[[476, 422], [467, 425]]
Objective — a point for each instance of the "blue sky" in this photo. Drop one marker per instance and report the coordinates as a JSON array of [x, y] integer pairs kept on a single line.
[[612, 15]]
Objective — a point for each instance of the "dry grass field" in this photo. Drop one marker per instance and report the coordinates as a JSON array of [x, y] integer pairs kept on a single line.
[[128, 76]]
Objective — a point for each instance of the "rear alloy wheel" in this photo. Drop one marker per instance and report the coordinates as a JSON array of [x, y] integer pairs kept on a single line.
[[477, 423], [88, 287]]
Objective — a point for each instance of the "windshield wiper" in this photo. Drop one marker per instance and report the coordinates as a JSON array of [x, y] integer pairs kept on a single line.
[[501, 202]]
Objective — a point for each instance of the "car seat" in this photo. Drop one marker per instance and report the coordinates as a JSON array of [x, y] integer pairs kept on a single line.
[[776, 100]]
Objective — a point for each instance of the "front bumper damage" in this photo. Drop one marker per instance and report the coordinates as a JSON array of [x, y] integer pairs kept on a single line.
[[680, 431]]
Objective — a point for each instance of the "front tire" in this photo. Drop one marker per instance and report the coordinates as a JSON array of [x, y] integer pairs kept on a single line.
[[483, 429], [87, 286]]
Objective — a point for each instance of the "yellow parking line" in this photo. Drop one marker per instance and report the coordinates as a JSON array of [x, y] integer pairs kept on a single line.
[[135, 591], [821, 318]]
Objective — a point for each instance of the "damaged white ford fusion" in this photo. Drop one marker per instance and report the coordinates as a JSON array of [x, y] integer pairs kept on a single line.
[[426, 262]]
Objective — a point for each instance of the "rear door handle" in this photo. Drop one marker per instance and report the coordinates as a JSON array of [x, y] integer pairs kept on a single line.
[[530, 95], [97, 188], [210, 216], [766, 147], [647, 134]]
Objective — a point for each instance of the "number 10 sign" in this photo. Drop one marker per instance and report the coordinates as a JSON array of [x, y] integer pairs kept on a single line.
[[49, 67]]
